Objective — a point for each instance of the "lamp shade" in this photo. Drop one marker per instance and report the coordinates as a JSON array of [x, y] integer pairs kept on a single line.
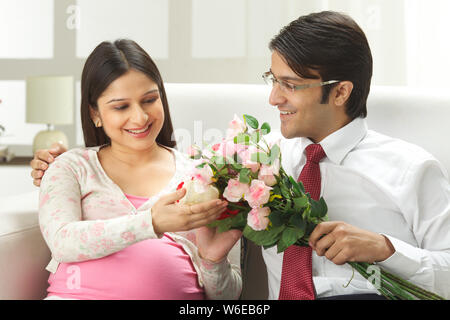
[[50, 99]]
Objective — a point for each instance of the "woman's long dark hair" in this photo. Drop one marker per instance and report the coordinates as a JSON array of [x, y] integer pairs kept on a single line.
[[105, 64]]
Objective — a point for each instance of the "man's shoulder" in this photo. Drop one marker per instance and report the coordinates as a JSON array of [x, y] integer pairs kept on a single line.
[[384, 145], [377, 151]]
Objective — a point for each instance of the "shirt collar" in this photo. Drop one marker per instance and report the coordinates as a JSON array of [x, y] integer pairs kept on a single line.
[[338, 144]]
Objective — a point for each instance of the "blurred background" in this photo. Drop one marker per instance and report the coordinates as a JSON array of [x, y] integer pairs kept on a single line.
[[199, 41]]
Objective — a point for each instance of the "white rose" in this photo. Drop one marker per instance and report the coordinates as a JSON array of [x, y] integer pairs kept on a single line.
[[196, 192]]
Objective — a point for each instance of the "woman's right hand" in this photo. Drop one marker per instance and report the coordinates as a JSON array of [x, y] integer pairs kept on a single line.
[[169, 216], [41, 160]]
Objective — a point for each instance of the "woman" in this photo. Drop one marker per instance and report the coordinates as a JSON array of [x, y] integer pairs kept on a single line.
[[108, 212]]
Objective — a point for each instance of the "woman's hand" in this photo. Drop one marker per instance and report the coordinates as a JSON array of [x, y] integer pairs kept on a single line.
[[214, 245], [169, 216], [41, 160]]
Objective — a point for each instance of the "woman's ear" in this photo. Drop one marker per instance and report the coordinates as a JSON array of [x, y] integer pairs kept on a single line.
[[343, 91], [95, 116]]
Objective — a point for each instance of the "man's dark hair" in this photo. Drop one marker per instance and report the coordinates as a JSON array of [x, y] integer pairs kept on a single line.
[[335, 46]]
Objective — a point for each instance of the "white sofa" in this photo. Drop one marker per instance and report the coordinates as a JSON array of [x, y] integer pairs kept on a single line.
[[202, 112]]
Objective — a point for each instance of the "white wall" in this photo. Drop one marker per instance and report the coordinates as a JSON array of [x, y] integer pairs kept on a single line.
[[203, 41]]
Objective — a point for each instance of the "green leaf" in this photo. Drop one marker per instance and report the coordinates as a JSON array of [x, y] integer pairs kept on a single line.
[[244, 175], [256, 136], [318, 208], [274, 153], [251, 121], [323, 208], [295, 186], [242, 138], [225, 225], [300, 185], [276, 218], [288, 238], [223, 171], [264, 237], [218, 160], [288, 205], [300, 203], [265, 128], [276, 190], [260, 157], [297, 221], [239, 221], [285, 191], [201, 165], [236, 166], [222, 225]]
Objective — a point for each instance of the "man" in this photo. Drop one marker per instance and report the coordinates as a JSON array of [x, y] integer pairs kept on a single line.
[[388, 201]]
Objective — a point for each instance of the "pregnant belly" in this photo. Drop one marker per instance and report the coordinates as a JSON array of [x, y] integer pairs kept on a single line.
[[151, 269]]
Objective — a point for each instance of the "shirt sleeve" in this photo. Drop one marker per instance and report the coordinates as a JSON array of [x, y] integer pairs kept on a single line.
[[71, 239], [426, 208], [221, 280]]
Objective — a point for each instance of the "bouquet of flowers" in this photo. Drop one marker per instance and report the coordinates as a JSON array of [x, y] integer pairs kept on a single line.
[[269, 206]]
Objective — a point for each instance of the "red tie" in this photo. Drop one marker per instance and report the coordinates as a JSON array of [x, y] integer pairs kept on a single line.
[[296, 275]]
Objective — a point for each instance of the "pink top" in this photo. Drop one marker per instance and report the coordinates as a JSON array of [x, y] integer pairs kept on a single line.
[[149, 269]]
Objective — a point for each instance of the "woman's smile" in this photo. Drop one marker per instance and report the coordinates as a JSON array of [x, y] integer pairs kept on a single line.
[[140, 133]]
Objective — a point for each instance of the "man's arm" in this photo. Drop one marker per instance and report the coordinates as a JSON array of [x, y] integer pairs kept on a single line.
[[425, 205], [41, 160]]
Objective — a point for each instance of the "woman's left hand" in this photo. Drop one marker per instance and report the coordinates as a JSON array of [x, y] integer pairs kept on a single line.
[[213, 245]]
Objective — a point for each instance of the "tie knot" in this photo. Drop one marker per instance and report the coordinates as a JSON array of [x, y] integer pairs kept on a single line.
[[314, 153]]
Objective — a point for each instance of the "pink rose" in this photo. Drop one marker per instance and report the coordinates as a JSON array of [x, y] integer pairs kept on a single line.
[[257, 218], [227, 148], [235, 190], [245, 156], [258, 194], [235, 127], [202, 175], [267, 173], [193, 151]]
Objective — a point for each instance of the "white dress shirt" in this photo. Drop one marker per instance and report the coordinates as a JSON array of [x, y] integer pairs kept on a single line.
[[384, 185]]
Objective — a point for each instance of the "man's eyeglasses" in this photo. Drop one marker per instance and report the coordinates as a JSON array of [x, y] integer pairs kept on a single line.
[[270, 79]]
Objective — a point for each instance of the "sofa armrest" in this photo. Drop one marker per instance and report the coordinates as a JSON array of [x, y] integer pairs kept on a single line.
[[23, 251]]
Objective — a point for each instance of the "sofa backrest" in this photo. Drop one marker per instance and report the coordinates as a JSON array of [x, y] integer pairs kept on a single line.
[[419, 116], [202, 112]]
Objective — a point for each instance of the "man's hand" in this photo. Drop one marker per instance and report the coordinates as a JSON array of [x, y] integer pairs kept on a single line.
[[341, 242], [41, 160]]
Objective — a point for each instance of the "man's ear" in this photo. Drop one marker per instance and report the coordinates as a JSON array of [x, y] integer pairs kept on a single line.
[[342, 92], [95, 116]]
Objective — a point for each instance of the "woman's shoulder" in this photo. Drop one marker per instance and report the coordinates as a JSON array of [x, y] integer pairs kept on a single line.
[[182, 159], [78, 157]]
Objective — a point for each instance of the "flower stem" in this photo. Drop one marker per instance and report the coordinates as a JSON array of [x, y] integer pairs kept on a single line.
[[393, 287]]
